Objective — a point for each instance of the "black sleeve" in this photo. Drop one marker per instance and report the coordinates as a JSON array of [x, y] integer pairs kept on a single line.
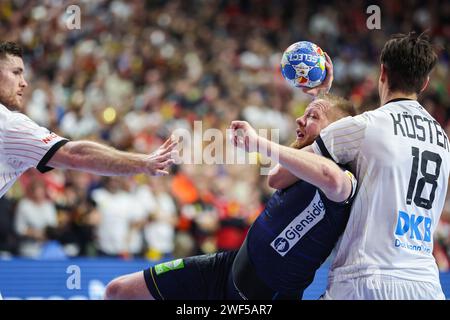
[[42, 165]]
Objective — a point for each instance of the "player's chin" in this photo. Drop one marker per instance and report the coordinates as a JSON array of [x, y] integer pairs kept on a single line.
[[305, 141], [17, 104], [298, 143], [13, 103]]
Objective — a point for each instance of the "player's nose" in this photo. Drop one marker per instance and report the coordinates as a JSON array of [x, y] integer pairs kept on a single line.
[[23, 83], [301, 121]]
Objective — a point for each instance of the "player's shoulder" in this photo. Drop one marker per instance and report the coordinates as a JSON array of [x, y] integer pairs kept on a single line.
[[4, 111], [359, 120], [14, 120], [18, 118], [5, 117], [379, 113]]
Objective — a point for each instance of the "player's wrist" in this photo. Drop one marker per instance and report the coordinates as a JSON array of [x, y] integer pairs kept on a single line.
[[265, 146], [139, 163]]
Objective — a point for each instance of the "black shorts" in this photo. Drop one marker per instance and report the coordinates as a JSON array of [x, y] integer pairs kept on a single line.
[[205, 277]]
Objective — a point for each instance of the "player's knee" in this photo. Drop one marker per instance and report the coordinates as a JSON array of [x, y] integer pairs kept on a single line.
[[117, 289]]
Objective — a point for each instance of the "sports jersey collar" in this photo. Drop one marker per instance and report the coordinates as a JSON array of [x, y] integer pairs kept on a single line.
[[3, 107], [399, 99], [414, 102]]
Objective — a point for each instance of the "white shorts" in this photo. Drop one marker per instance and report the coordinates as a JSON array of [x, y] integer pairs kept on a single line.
[[383, 287]]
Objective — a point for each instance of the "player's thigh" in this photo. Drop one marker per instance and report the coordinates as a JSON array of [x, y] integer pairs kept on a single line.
[[202, 277]]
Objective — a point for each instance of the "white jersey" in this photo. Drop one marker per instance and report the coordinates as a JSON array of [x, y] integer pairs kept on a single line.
[[400, 156], [23, 145]]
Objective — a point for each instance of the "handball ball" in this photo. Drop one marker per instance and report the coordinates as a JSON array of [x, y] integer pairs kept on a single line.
[[303, 65]]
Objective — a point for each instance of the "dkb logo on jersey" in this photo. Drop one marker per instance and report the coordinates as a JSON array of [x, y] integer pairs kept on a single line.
[[298, 227], [417, 227], [406, 222]]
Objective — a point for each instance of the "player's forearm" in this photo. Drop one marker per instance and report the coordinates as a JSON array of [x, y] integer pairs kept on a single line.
[[317, 170], [98, 159]]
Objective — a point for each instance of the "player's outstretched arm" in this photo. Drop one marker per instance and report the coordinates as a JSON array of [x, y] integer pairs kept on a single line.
[[103, 160], [304, 164]]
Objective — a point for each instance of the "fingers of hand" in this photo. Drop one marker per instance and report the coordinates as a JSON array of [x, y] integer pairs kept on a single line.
[[171, 146], [236, 131], [311, 91], [161, 173], [236, 140], [167, 142], [329, 69], [237, 124], [167, 147], [328, 66], [164, 164], [162, 157], [327, 57]]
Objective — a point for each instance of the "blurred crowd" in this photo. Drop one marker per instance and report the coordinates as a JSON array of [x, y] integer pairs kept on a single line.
[[137, 70]]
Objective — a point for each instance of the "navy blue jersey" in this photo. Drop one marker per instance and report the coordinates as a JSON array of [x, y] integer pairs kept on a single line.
[[285, 246], [294, 235]]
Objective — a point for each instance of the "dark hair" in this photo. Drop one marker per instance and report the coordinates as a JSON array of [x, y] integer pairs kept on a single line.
[[408, 60], [11, 48]]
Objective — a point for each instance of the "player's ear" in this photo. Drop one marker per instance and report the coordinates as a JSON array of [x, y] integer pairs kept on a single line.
[[425, 85]]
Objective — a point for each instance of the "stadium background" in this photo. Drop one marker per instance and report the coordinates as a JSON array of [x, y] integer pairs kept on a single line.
[[137, 70]]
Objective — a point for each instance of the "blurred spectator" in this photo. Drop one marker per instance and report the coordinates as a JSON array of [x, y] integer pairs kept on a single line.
[[34, 214], [51, 248], [139, 214], [77, 218], [160, 229], [441, 249], [8, 237], [113, 204]]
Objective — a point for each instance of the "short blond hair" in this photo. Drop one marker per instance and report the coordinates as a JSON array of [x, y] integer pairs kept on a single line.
[[339, 108]]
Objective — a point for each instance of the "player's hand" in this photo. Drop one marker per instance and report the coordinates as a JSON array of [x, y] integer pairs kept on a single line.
[[325, 86], [244, 136], [160, 160]]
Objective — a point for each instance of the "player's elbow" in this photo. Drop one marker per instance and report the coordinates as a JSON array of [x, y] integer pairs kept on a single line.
[[334, 184], [67, 157], [281, 181], [274, 182]]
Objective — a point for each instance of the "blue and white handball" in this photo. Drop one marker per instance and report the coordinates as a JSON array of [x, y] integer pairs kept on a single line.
[[303, 65]]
